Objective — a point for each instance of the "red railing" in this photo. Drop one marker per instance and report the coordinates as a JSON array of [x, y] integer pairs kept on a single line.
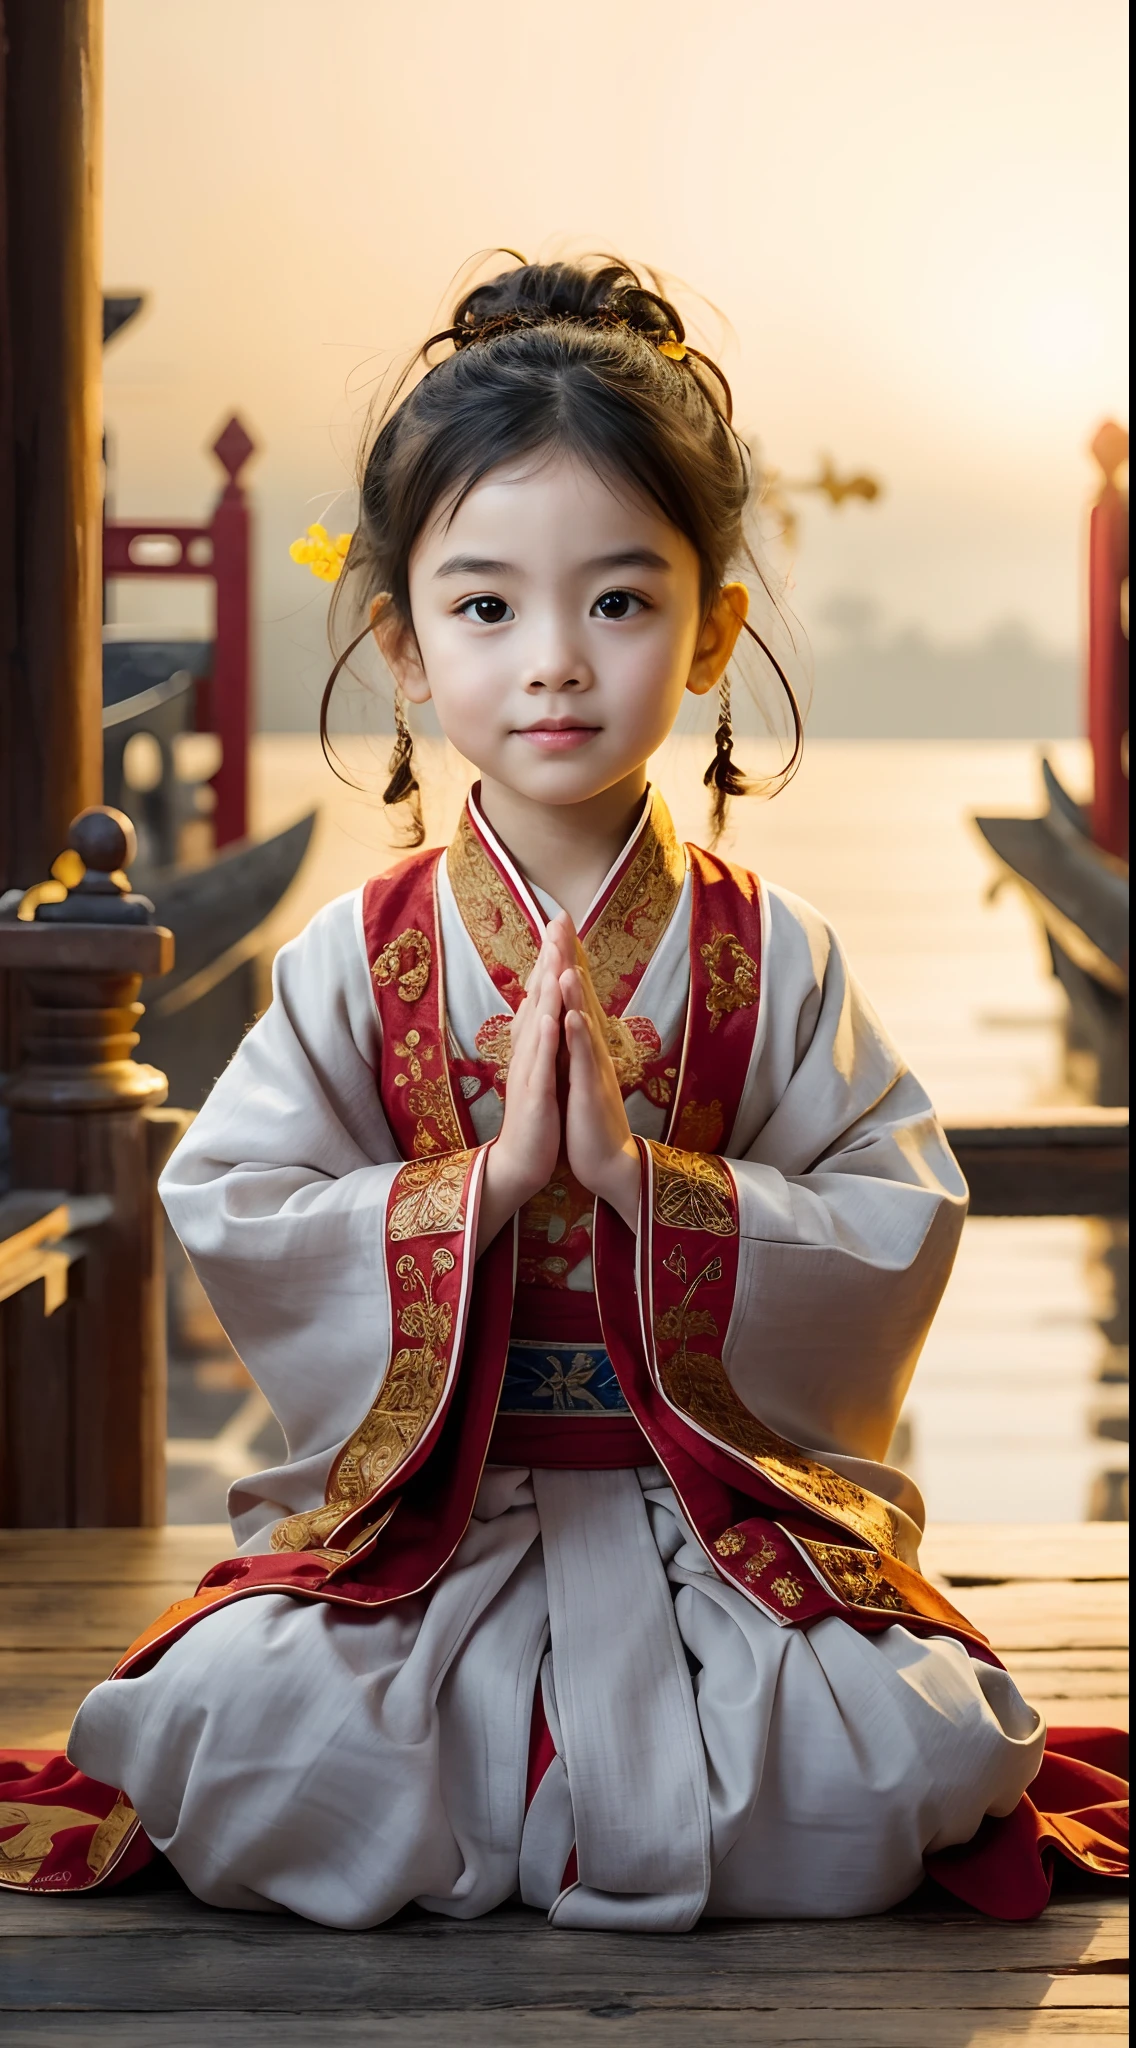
[[219, 549], [1108, 646]]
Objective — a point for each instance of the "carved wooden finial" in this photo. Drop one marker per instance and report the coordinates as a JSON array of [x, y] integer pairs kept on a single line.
[[1109, 447], [233, 447], [105, 842]]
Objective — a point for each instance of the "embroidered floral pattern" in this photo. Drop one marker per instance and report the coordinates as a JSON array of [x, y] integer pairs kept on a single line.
[[406, 962], [428, 1099], [859, 1576], [693, 1191], [490, 912], [726, 992], [701, 1127], [695, 1382], [762, 1558], [787, 1589], [399, 1414], [618, 943], [431, 1198]]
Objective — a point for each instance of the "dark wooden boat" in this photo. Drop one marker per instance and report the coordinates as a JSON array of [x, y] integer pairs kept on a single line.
[[196, 1016], [1080, 895]]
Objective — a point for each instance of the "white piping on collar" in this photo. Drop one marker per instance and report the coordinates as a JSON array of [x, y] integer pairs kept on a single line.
[[525, 890]]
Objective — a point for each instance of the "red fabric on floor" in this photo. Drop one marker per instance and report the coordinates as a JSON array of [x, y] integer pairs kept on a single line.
[[61, 1831], [1076, 1809]]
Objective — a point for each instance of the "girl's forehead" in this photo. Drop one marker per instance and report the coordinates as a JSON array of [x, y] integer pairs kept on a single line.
[[553, 496]]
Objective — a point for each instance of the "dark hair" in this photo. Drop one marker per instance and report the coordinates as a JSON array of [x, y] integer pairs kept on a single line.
[[584, 359]]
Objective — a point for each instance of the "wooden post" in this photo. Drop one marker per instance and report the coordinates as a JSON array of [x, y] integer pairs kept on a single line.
[[83, 1391], [1108, 647], [231, 688], [50, 429]]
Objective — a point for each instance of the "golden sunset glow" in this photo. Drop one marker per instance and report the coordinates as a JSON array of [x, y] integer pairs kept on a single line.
[[912, 217]]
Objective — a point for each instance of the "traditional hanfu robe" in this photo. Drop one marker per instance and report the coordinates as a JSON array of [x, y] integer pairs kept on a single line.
[[586, 1575]]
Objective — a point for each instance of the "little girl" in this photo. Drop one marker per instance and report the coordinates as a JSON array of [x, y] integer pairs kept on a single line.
[[583, 1227]]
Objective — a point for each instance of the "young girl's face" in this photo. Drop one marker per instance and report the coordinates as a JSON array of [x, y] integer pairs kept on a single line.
[[557, 621]]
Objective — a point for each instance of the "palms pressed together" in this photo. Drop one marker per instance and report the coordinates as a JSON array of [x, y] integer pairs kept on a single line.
[[561, 1095]]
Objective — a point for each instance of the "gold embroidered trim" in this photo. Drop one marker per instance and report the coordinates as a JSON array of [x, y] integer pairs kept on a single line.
[[638, 911], [700, 1127], [401, 1411], [488, 908], [760, 1561], [787, 1589], [23, 1855], [429, 1099], [410, 977], [859, 1576], [729, 1543], [741, 990], [431, 1198], [618, 945], [696, 1383], [693, 1192]]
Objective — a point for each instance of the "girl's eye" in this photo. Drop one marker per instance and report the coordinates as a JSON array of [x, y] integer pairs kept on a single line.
[[617, 604], [489, 611]]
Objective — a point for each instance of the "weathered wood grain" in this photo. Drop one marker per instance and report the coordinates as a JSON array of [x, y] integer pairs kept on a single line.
[[83, 1617], [610, 2025], [1047, 1615], [231, 1969], [112, 1557], [42, 1689], [1075, 1934], [968, 1553]]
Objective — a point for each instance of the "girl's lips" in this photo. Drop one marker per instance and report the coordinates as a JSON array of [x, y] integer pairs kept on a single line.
[[557, 739]]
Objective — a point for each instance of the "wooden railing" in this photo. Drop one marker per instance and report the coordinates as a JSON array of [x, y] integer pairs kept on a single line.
[[82, 1297], [1046, 1163], [217, 549]]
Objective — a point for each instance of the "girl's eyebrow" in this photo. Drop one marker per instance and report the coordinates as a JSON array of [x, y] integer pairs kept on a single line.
[[473, 565], [482, 565], [629, 558]]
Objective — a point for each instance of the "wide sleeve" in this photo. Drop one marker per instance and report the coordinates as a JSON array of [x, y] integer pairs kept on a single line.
[[279, 1193], [850, 1206]]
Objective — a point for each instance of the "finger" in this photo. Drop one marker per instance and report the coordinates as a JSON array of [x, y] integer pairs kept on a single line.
[[562, 942], [523, 1027], [545, 951], [551, 1000], [584, 1065], [542, 1076], [571, 989], [590, 1002]]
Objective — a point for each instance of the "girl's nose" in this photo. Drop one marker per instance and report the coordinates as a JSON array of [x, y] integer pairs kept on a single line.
[[553, 659], [558, 669]]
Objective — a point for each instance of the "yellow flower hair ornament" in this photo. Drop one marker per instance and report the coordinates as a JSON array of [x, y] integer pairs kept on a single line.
[[322, 555]]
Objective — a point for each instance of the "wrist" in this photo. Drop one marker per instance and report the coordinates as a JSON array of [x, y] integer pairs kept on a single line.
[[621, 1184], [511, 1188]]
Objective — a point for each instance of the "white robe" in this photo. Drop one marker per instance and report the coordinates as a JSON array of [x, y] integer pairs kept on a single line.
[[290, 1754]]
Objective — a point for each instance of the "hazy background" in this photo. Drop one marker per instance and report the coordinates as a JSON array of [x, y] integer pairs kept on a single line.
[[913, 216]]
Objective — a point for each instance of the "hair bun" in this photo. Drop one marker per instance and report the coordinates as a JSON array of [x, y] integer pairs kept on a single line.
[[543, 294]]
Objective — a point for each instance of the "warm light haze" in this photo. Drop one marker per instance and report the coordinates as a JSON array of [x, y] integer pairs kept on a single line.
[[914, 219]]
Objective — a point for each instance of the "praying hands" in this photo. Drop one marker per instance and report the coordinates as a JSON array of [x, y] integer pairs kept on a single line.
[[560, 1015]]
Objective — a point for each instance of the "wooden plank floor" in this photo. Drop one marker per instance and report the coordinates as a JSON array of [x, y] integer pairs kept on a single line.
[[149, 1964]]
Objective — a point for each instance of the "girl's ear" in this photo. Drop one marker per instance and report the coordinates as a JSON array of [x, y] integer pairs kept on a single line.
[[396, 642], [718, 638]]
